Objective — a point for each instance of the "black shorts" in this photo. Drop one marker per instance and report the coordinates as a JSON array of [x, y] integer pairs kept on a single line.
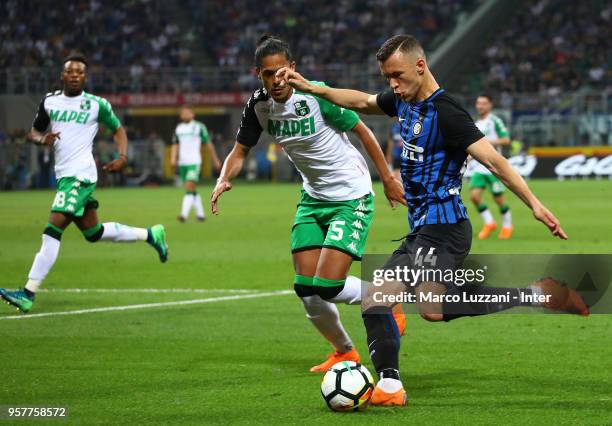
[[439, 247]]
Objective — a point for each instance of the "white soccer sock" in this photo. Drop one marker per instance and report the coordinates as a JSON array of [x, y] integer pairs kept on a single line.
[[187, 203], [326, 318], [351, 293], [390, 385], [487, 216], [43, 262], [197, 205], [507, 219], [119, 233]]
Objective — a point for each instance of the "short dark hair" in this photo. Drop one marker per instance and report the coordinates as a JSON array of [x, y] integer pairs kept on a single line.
[[270, 45], [402, 42], [485, 95], [75, 56]]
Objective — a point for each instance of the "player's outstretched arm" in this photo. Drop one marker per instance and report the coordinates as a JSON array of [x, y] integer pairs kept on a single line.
[[393, 187], [483, 151], [121, 142], [346, 98], [231, 167]]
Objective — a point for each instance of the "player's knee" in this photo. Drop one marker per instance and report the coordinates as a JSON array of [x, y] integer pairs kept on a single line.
[[475, 198], [93, 234], [327, 289], [302, 285], [432, 317]]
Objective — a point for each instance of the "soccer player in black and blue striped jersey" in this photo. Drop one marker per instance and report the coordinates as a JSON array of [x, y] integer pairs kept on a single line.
[[438, 136]]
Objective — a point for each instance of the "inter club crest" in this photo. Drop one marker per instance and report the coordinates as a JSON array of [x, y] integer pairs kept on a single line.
[[301, 109], [86, 104]]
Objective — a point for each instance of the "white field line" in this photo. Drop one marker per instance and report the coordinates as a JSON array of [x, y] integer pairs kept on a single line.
[[147, 290], [149, 305]]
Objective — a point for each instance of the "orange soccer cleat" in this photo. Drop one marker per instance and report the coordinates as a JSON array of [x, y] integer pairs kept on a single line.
[[380, 397], [561, 297], [505, 233], [334, 358], [400, 318], [486, 230]]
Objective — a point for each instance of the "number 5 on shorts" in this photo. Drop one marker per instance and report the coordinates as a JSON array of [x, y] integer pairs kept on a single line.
[[60, 200], [336, 227]]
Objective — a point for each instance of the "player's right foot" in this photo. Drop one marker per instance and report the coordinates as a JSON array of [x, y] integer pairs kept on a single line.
[[334, 358], [400, 318], [505, 233], [382, 398], [181, 219], [201, 218], [157, 239], [17, 298], [562, 298], [486, 230]]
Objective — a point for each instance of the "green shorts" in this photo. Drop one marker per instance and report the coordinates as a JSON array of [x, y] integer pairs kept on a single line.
[[342, 225], [190, 172], [74, 196], [481, 181]]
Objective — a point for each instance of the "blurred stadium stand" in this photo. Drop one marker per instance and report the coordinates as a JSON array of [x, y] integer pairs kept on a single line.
[[547, 64]]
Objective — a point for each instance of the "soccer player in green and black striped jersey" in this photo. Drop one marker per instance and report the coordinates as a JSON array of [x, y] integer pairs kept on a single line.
[[68, 121]]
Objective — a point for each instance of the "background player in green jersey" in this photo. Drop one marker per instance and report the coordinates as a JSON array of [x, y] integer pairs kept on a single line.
[[336, 206], [68, 121], [188, 138], [496, 132]]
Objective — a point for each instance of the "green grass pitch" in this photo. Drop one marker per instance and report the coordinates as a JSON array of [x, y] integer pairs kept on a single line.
[[246, 360]]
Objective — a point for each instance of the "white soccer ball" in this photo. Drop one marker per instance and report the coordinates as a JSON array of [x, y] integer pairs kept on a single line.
[[347, 386]]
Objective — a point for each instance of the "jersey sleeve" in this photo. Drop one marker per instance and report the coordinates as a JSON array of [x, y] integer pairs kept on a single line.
[[340, 118], [250, 129], [106, 115], [203, 133], [386, 102], [500, 128], [456, 126], [42, 120]]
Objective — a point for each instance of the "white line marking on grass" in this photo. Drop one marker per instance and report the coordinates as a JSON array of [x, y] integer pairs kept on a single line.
[[149, 305], [147, 290]]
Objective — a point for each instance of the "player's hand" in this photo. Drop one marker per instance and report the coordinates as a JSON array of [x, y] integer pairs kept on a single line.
[[221, 187], [544, 215], [173, 163], [49, 139], [394, 191], [293, 79], [115, 165]]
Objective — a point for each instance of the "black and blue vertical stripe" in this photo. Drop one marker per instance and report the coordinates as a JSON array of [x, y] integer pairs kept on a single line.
[[431, 172]]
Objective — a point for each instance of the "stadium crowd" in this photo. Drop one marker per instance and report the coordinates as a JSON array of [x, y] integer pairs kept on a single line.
[[549, 47]]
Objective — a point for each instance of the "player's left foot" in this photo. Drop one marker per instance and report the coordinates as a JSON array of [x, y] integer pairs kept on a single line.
[[181, 219], [505, 233], [382, 398], [157, 239], [334, 358], [400, 318], [562, 298], [486, 230], [17, 298], [201, 218]]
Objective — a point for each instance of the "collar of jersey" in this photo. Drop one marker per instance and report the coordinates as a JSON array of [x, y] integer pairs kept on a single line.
[[430, 97]]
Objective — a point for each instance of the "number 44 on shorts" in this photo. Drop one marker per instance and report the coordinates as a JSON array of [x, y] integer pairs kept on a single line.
[[430, 258]]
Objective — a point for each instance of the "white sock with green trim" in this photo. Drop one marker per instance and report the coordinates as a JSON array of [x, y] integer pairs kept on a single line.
[[326, 318], [487, 217], [119, 233], [43, 262], [197, 205], [187, 203], [351, 293]]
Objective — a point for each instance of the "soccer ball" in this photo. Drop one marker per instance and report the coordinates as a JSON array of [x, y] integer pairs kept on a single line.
[[347, 386]]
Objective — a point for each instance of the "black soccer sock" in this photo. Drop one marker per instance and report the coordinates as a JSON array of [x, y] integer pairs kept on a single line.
[[383, 339], [473, 300]]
